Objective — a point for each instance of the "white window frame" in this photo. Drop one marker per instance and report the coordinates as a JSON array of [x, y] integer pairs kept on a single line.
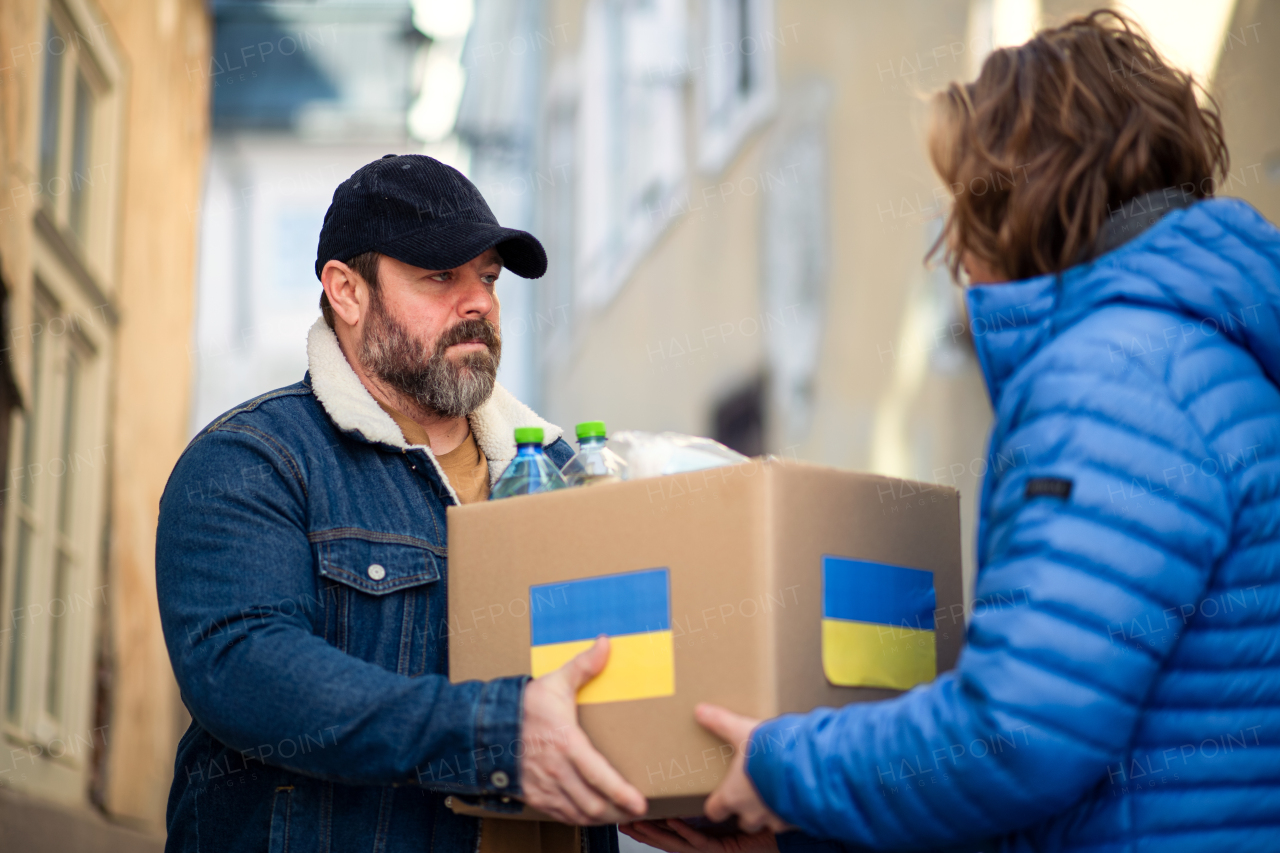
[[557, 215], [729, 47], [795, 262], [88, 51], [64, 325], [631, 137]]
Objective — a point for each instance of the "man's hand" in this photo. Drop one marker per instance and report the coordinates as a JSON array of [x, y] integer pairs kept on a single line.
[[676, 836], [736, 795], [561, 772]]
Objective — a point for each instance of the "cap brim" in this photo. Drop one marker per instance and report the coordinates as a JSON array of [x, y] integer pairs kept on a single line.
[[443, 247]]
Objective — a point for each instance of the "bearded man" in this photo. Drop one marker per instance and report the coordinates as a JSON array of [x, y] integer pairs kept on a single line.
[[301, 564]]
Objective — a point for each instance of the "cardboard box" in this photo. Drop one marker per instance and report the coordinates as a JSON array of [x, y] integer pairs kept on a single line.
[[748, 552]]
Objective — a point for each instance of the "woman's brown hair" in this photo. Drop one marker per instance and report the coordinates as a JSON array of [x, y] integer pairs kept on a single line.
[[1057, 134]]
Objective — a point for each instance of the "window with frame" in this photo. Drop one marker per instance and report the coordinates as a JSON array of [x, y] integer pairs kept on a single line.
[[631, 134], [73, 89], [557, 214], [51, 577], [736, 89], [795, 250]]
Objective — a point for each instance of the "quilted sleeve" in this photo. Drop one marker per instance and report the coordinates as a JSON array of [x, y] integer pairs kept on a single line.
[[1081, 596]]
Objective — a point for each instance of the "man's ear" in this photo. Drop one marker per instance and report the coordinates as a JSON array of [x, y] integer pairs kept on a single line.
[[347, 292]]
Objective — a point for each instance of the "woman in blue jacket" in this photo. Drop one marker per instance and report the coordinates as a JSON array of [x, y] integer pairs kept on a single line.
[[1120, 689]]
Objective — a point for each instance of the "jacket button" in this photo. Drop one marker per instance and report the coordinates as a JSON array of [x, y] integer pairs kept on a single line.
[[500, 779], [377, 572]]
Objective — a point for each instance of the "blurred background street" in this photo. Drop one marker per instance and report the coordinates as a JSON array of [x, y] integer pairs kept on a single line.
[[734, 196]]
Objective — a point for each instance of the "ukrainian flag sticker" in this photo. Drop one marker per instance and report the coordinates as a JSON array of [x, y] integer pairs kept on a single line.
[[877, 624], [633, 609]]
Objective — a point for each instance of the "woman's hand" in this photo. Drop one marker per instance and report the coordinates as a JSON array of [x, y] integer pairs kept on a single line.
[[736, 795], [676, 836]]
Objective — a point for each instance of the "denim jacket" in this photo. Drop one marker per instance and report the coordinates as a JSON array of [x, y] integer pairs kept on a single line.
[[301, 565]]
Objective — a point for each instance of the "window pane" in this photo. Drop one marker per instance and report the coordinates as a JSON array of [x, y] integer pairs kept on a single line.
[[57, 612], [51, 108], [31, 426], [723, 28], [68, 438], [740, 49], [19, 625], [81, 168], [63, 567]]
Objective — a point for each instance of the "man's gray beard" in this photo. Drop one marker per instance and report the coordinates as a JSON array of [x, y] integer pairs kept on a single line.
[[436, 384]]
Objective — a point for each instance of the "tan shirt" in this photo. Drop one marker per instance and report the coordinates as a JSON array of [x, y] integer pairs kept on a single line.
[[467, 470], [465, 466]]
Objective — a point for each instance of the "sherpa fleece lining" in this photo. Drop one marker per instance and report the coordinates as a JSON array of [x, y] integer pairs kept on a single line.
[[350, 405]]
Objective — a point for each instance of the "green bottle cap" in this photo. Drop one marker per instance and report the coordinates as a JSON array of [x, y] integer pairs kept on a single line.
[[528, 435], [591, 429]]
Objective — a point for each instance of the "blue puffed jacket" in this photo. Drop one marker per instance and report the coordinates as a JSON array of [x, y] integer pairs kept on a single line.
[[1120, 687]]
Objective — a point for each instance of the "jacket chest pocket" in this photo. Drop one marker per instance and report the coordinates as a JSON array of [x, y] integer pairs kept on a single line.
[[381, 592]]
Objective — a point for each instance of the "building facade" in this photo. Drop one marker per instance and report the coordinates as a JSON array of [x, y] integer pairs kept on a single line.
[[303, 95], [737, 204], [1246, 70], [101, 148]]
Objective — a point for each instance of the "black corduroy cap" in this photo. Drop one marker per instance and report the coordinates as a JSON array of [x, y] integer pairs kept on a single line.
[[418, 210]]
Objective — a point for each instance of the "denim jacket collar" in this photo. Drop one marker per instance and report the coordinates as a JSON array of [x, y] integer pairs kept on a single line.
[[352, 408]]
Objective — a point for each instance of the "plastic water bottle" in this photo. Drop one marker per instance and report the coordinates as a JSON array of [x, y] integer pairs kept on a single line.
[[531, 471], [593, 463]]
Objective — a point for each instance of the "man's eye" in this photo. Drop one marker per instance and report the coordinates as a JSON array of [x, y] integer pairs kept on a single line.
[[441, 276]]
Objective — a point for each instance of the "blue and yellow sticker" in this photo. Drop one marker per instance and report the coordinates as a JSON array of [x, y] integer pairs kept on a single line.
[[633, 609], [877, 624]]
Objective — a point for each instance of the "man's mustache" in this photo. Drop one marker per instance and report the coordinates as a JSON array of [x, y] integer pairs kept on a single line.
[[469, 330]]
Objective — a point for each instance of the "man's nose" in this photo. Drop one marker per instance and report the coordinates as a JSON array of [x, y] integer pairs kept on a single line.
[[476, 299]]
